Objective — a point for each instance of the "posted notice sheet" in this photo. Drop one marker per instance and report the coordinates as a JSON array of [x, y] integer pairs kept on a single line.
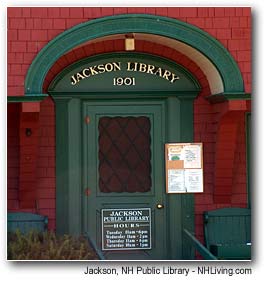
[[176, 180], [192, 158], [194, 180]]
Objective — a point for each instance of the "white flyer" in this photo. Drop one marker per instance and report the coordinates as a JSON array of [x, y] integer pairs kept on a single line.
[[176, 180], [194, 180], [192, 156]]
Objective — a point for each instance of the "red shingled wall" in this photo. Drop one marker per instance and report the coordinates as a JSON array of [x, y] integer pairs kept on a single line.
[[13, 113], [30, 29]]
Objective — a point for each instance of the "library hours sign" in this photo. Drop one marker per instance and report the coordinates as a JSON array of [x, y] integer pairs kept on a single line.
[[126, 229]]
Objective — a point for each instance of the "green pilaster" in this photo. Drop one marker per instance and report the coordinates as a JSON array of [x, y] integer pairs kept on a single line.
[[187, 118], [181, 206], [174, 200], [187, 201], [75, 188], [68, 166], [62, 166]]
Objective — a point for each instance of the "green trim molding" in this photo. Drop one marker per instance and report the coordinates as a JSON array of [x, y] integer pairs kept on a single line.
[[223, 97], [134, 23], [29, 98]]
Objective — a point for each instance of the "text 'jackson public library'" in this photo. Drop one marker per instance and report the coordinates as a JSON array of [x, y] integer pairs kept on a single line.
[[131, 126]]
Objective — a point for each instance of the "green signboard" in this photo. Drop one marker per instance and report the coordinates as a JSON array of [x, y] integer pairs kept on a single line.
[[126, 229], [124, 73]]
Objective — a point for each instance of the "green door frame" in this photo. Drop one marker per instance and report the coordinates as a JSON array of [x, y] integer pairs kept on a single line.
[[69, 185], [178, 109]]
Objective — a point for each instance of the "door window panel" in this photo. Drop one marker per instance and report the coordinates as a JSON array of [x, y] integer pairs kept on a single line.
[[124, 154]]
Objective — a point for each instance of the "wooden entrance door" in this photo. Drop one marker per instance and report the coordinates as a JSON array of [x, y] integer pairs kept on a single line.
[[125, 202]]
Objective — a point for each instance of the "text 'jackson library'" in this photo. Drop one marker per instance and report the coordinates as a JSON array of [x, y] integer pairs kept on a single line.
[[130, 127]]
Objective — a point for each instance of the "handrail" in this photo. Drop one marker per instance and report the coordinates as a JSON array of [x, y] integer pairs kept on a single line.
[[93, 244], [207, 255], [197, 245]]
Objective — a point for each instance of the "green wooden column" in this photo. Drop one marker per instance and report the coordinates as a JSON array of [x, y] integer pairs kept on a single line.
[[62, 159], [187, 201], [181, 206], [174, 200], [68, 166]]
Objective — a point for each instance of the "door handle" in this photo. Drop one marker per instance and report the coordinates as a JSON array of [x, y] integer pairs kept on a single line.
[[160, 206]]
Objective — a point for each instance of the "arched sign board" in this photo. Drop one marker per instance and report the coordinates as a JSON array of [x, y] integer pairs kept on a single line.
[[124, 73]]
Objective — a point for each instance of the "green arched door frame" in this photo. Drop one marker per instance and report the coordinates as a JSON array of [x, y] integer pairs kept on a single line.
[[137, 23]]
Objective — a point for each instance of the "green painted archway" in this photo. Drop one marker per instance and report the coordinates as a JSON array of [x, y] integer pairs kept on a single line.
[[136, 23]]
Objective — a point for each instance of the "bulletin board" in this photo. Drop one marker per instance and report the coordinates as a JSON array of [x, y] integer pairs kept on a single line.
[[184, 167]]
